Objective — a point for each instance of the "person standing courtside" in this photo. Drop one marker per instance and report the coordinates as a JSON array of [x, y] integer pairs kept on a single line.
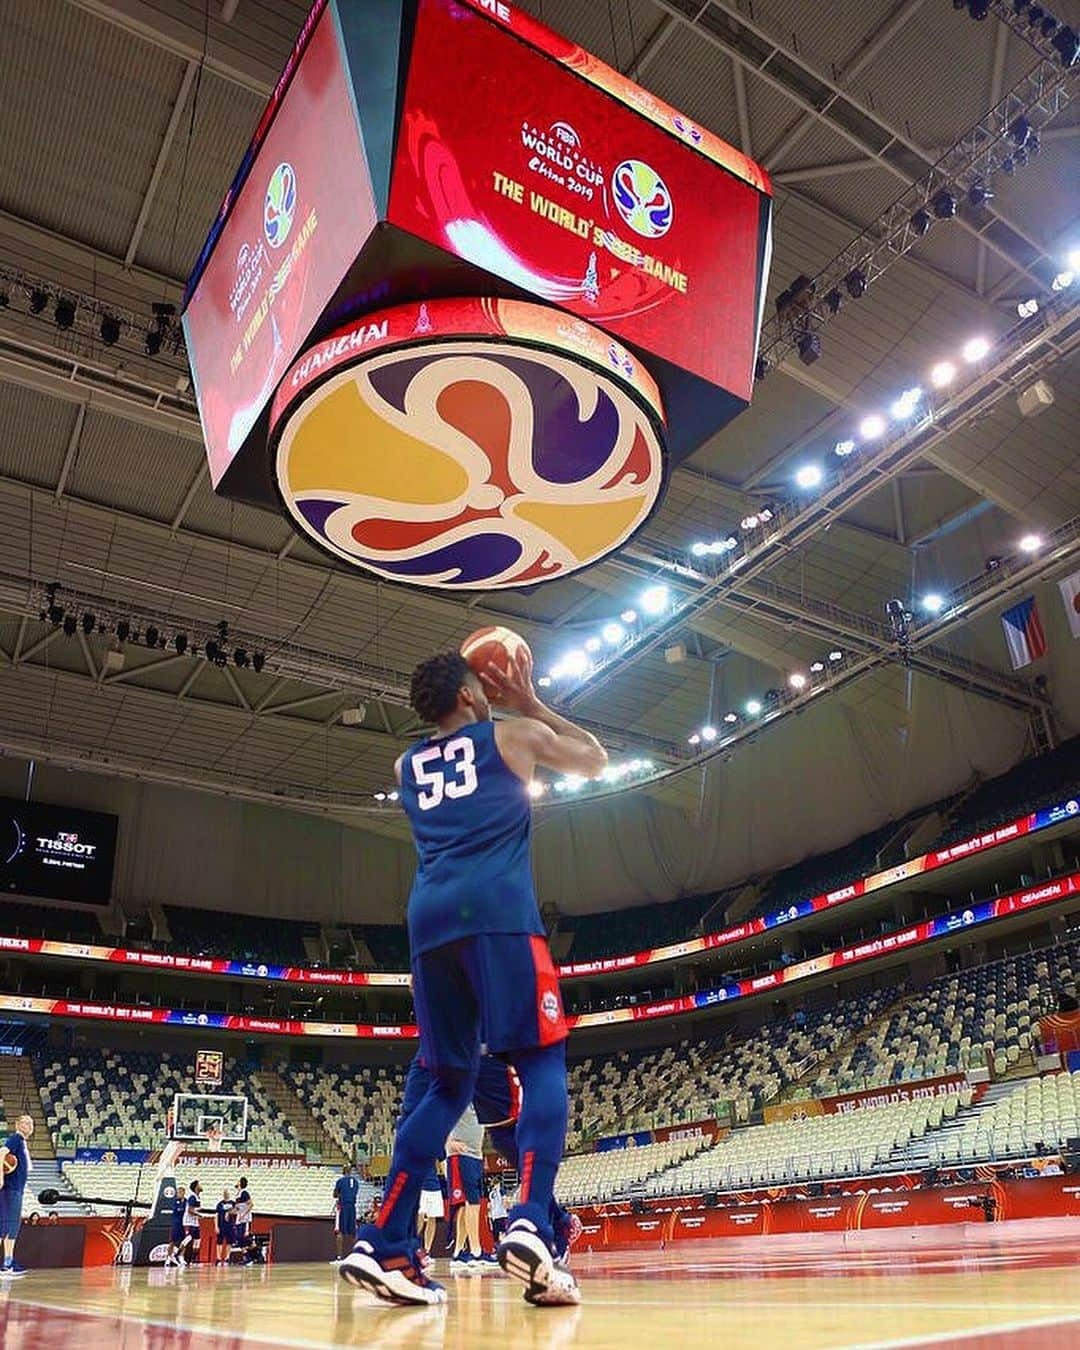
[[12, 1186], [346, 1189], [481, 968]]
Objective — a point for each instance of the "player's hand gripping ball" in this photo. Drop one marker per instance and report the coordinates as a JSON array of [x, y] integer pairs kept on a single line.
[[10, 1163], [494, 646]]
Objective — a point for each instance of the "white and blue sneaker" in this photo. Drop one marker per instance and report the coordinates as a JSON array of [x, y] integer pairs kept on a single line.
[[11, 1270], [527, 1258], [463, 1263], [394, 1278]]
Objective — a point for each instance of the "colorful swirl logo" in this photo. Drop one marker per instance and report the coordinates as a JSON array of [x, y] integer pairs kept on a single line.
[[471, 465], [642, 198], [279, 205]]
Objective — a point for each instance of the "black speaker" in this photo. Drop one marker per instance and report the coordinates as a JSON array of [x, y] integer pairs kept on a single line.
[[816, 1190], [711, 1199], [930, 1176], [637, 1207], [1072, 1144], [1070, 1163]]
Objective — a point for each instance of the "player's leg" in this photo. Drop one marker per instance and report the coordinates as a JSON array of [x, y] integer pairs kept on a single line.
[[523, 1023], [384, 1260], [565, 1225]]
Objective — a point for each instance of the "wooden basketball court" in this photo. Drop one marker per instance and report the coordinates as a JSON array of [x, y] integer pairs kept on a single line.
[[974, 1290]]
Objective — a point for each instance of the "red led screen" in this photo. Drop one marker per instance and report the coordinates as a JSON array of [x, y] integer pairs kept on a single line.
[[289, 238], [524, 163]]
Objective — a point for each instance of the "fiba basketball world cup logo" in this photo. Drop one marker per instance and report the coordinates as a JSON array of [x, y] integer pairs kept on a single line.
[[279, 205], [642, 198], [469, 465]]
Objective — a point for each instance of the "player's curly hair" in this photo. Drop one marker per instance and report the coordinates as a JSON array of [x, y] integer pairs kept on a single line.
[[436, 683]]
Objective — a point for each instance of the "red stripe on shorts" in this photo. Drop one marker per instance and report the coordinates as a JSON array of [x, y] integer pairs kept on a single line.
[[550, 1020]]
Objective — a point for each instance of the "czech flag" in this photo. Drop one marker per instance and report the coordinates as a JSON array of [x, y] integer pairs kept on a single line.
[[1024, 633]]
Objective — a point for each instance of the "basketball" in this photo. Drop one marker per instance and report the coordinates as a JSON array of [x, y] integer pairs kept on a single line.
[[496, 646], [10, 1163]]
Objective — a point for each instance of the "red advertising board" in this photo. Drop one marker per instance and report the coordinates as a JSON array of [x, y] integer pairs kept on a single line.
[[549, 176], [288, 239], [612, 1227]]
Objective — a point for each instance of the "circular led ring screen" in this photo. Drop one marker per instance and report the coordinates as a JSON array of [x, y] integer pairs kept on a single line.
[[468, 444]]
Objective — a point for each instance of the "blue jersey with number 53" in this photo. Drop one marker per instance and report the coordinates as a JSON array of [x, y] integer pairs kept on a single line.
[[471, 821]]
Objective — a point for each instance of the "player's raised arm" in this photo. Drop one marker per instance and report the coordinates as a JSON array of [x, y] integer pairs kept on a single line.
[[540, 736]]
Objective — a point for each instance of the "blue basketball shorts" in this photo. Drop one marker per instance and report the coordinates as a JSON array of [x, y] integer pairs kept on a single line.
[[463, 1180], [495, 989], [345, 1220], [10, 1212]]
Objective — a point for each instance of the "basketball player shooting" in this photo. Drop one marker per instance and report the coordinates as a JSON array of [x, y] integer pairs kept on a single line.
[[481, 969]]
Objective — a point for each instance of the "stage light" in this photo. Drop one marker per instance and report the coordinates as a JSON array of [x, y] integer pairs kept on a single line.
[[834, 300], [544, 681], [699, 549], [979, 9], [921, 222], [575, 664], [905, 405], [69, 625], [536, 789], [761, 367], [765, 515], [1030, 543], [241, 659], [151, 635], [870, 428], [944, 204], [933, 603], [180, 643], [809, 476], [978, 195], [123, 630], [380, 796], [1034, 145], [1020, 131], [1008, 167], [1048, 27], [1063, 281], [753, 707], [628, 616], [110, 331], [816, 667], [750, 522], [1073, 260], [695, 739], [1020, 158], [836, 654], [1067, 45], [797, 680], [38, 300], [88, 622], [943, 374], [258, 660], [393, 796], [844, 448], [213, 651], [809, 348], [152, 344], [1026, 308], [726, 545], [975, 349], [655, 600], [731, 717], [708, 733], [613, 634], [593, 644], [64, 314], [855, 283]]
